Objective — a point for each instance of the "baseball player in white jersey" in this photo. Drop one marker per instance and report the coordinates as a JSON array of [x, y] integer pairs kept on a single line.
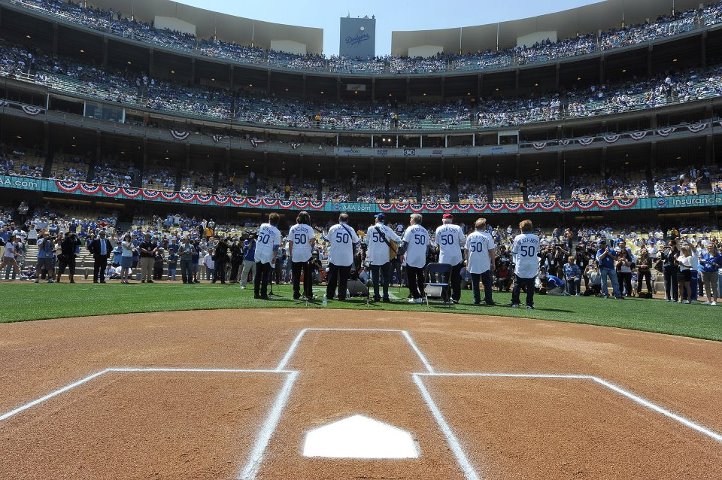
[[416, 241], [268, 240], [525, 250], [301, 239], [342, 246], [450, 240], [379, 240], [480, 258]]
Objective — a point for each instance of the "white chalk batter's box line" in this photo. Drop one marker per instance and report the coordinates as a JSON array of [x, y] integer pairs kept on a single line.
[[252, 467]]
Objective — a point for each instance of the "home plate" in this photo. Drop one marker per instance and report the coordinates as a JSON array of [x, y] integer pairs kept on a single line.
[[359, 437]]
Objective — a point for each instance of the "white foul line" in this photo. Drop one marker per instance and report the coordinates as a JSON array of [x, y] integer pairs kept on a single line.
[[426, 363], [191, 370], [646, 403], [250, 471], [454, 444], [615, 388], [52, 394], [289, 353]]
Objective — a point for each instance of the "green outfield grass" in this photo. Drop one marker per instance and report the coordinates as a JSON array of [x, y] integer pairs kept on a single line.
[[27, 301]]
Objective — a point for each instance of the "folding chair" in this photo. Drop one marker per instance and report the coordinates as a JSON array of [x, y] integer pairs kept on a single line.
[[440, 274]]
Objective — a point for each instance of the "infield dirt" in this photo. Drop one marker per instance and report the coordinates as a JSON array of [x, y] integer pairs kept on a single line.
[[203, 425]]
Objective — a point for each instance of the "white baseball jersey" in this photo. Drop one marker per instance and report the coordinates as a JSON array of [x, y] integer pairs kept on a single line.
[[341, 239], [269, 239], [417, 241], [478, 245], [300, 236], [525, 250], [450, 239], [378, 250]]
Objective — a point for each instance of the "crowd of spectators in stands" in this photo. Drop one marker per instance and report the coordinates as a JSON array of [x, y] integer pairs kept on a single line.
[[427, 190], [143, 91], [568, 259], [115, 23]]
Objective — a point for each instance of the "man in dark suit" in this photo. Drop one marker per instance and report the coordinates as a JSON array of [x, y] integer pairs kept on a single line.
[[101, 249]]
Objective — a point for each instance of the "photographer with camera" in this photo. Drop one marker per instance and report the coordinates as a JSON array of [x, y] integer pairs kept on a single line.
[[69, 248], [46, 257]]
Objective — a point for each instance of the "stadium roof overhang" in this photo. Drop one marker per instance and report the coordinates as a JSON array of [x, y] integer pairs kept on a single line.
[[600, 16], [244, 31]]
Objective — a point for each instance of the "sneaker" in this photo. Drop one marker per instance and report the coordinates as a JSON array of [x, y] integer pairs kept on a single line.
[[514, 305], [714, 304], [530, 307], [386, 300], [150, 281], [411, 300], [687, 302], [243, 287]]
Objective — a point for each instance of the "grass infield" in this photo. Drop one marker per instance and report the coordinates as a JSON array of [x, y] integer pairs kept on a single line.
[[43, 301]]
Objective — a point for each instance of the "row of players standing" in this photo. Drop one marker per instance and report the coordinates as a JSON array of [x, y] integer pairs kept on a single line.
[[478, 250]]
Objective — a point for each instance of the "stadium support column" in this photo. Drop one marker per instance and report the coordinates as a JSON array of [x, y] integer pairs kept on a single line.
[[561, 168], [408, 88], [556, 76], [105, 52], [373, 89], [516, 81], [55, 38], [443, 88], [303, 87], [709, 150], [703, 49], [602, 69], [649, 59], [193, 71], [231, 75], [651, 166], [338, 89], [151, 62], [603, 163], [48, 167]]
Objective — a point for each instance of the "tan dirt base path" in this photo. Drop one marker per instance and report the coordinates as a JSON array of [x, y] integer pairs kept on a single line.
[[205, 425]]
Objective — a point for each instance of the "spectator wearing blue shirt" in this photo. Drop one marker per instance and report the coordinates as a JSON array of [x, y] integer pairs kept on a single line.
[[249, 264], [710, 262], [554, 285], [573, 276], [606, 258]]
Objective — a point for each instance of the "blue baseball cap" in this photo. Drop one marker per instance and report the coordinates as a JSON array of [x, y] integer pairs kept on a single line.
[[380, 216]]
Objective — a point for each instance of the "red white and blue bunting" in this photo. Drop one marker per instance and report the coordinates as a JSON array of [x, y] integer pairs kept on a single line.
[[179, 135], [113, 191], [32, 110], [638, 135], [697, 127], [612, 138]]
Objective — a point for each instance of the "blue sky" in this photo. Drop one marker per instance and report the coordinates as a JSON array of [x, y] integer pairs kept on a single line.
[[390, 15]]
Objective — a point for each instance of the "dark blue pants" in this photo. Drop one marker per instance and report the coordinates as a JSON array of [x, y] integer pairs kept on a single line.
[[528, 284]]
